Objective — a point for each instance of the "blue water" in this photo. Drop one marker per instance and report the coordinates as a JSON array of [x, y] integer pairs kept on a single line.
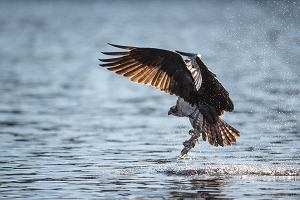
[[72, 130]]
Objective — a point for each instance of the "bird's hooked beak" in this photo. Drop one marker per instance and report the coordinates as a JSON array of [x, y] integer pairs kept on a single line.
[[172, 110], [185, 53]]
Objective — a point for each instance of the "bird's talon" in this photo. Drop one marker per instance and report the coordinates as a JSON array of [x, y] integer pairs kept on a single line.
[[191, 132]]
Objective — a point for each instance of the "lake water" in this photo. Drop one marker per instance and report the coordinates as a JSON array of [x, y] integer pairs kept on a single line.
[[72, 130]]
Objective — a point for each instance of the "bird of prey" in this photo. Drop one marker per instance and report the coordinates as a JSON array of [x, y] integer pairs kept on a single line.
[[201, 96]]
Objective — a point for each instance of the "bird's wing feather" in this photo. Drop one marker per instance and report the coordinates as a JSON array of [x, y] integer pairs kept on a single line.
[[212, 91], [163, 69], [195, 72]]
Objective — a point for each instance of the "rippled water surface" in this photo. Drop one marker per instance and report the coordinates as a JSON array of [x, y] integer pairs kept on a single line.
[[70, 129]]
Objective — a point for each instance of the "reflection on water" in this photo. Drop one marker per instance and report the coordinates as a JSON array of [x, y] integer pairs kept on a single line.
[[199, 188], [69, 129]]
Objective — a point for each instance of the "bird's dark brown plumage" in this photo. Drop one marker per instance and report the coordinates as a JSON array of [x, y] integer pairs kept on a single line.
[[189, 79], [212, 91], [167, 71], [163, 69]]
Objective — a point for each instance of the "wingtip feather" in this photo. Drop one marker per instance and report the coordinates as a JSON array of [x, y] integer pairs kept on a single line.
[[115, 53], [101, 65], [121, 46]]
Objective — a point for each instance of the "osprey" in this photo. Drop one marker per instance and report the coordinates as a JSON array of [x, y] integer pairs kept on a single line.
[[201, 97]]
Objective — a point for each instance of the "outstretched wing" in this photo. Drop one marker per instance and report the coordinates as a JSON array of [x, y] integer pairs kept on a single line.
[[165, 70], [212, 91]]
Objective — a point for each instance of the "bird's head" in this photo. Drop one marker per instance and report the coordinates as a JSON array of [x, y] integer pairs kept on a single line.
[[173, 111], [181, 109], [176, 112]]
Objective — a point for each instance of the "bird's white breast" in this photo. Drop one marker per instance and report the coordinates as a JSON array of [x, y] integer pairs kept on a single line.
[[192, 112], [184, 108]]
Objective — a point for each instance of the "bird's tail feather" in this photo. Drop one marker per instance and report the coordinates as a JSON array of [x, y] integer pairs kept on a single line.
[[220, 133]]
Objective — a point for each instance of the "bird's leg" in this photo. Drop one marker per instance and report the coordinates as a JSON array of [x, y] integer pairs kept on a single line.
[[190, 143]]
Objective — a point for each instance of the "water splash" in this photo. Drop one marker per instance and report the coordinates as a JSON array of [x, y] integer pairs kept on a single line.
[[231, 170]]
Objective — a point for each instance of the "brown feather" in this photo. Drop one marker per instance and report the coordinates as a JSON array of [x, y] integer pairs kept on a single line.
[[118, 67], [150, 75], [122, 47], [163, 82], [156, 78], [134, 71], [171, 85], [208, 133], [116, 53], [159, 79], [214, 135], [144, 76], [203, 134], [170, 74], [123, 62], [224, 134], [230, 137], [127, 69], [137, 75], [115, 59]]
